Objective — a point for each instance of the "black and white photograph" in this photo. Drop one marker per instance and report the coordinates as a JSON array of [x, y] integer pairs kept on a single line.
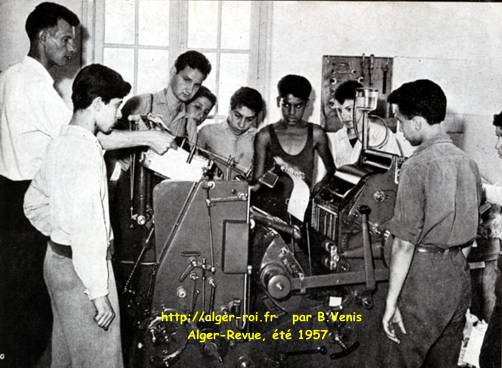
[[250, 184]]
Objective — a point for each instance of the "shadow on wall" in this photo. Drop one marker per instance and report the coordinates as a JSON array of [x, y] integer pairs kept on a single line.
[[262, 115], [309, 111], [478, 141], [475, 135], [455, 125]]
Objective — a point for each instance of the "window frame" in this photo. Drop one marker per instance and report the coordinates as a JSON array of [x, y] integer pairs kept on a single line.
[[93, 20]]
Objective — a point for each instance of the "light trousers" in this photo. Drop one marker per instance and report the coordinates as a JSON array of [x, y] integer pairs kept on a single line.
[[77, 341]]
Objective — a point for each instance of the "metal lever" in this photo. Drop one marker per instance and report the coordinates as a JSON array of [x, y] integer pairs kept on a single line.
[[204, 265], [192, 263], [191, 154], [239, 197], [212, 294], [367, 251], [363, 65], [385, 70], [195, 291], [371, 68]]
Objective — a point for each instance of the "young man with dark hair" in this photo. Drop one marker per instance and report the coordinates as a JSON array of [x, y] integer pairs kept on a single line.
[[189, 71], [490, 354], [31, 114], [199, 108], [67, 201], [194, 60], [234, 137], [435, 221], [291, 142], [346, 143]]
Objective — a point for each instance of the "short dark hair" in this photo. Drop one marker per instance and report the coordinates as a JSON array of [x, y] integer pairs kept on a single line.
[[347, 91], [296, 85], [194, 60], [46, 15], [97, 80], [422, 98], [497, 120], [205, 92], [249, 97]]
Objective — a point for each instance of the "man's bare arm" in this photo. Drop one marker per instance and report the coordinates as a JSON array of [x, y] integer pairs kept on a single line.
[[159, 141], [401, 257], [260, 152], [322, 146]]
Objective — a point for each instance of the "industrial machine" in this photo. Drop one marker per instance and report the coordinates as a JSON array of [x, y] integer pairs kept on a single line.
[[201, 267], [341, 209]]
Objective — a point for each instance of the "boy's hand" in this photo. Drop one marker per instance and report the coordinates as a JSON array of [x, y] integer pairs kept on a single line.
[[392, 316], [104, 312], [160, 141]]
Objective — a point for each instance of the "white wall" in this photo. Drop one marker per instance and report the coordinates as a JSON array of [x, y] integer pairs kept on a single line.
[[458, 45]]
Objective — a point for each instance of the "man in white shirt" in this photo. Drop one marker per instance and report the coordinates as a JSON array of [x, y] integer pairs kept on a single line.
[[346, 143], [31, 110], [31, 114], [68, 202], [490, 354]]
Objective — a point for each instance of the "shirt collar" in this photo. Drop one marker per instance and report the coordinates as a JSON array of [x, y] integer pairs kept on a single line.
[[167, 98], [161, 97], [38, 68], [442, 138], [78, 131], [173, 104]]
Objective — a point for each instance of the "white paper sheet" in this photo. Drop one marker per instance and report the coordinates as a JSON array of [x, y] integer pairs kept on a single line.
[[471, 355], [173, 165], [300, 197]]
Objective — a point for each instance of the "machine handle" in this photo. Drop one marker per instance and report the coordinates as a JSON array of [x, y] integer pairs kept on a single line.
[[367, 251]]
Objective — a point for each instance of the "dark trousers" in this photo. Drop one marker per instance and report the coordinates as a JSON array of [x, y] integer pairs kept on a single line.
[[490, 355], [433, 303], [25, 310]]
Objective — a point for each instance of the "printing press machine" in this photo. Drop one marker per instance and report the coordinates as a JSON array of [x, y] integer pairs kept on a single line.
[[189, 247]]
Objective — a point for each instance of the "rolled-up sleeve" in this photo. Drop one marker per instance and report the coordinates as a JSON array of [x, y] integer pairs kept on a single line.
[[408, 220], [89, 237]]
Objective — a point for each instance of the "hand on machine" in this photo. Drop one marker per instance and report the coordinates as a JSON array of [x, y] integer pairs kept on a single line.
[[160, 138]]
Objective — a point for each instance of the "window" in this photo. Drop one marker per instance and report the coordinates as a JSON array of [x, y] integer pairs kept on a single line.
[[142, 38], [221, 30]]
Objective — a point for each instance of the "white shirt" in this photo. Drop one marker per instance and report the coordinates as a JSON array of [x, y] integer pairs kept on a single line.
[[31, 114], [493, 193], [68, 201], [345, 154]]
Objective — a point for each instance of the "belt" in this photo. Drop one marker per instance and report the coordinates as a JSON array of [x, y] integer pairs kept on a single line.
[[421, 249], [65, 250], [436, 249]]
